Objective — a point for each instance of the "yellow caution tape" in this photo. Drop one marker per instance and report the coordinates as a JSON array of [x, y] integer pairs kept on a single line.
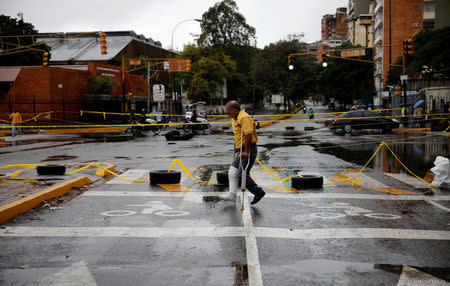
[[407, 167], [275, 176], [106, 170], [178, 162]]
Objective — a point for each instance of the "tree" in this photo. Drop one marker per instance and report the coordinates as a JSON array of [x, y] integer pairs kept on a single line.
[[270, 71], [12, 27], [347, 80], [225, 29], [432, 56], [100, 84], [223, 26], [209, 68]]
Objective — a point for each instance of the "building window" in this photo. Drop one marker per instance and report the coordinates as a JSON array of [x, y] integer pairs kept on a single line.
[[428, 24], [416, 7], [416, 25], [429, 6]]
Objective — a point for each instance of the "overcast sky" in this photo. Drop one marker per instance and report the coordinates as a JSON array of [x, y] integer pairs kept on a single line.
[[156, 19]]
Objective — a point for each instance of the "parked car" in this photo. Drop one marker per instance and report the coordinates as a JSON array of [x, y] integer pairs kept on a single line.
[[363, 119]]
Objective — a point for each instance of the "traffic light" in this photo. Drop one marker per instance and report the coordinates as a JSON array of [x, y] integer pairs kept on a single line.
[[188, 65], [103, 43], [324, 60], [408, 47], [398, 90], [45, 59], [290, 63]]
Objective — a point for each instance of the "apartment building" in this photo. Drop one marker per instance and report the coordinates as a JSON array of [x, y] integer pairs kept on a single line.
[[334, 25], [359, 23], [394, 21]]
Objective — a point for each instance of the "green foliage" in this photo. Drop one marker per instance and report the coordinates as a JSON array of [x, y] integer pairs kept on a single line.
[[100, 84], [12, 27], [432, 49], [347, 80], [223, 26], [271, 74], [209, 68], [431, 58]]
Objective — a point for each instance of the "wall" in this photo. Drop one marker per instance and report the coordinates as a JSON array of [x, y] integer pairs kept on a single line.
[[39, 89], [404, 14], [62, 90]]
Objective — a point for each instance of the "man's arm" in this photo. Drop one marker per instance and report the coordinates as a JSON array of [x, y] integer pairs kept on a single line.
[[246, 144]]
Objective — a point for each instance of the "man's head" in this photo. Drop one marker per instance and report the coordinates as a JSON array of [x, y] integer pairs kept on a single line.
[[232, 108]]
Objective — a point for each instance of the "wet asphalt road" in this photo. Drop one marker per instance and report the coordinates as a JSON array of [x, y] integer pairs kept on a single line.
[[125, 233]]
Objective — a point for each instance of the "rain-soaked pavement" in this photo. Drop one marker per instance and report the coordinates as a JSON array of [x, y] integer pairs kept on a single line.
[[120, 232]]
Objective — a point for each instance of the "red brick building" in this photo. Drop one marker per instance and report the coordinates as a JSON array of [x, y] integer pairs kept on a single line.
[[63, 90], [334, 25], [395, 21]]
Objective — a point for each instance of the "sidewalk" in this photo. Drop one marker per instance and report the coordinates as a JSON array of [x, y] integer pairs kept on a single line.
[[19, 195]]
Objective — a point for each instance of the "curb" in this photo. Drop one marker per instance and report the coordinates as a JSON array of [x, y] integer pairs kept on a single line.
[[15, 208], [411, 129]]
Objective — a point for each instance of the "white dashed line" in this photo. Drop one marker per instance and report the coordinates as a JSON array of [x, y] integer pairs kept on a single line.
[[300, 196], [215, 232], [130, 174], [438, 205], [253, 266]]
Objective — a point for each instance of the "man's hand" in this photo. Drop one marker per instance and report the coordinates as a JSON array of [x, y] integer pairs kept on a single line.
[[244, 154]]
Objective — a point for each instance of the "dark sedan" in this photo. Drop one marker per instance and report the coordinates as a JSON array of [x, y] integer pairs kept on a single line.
[[363, 119]]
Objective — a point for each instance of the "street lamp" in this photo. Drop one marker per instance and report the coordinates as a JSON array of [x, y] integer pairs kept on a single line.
[[197, 20]]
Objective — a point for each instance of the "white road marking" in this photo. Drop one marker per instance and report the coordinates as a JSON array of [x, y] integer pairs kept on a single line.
[[130, 174], [76, 274], [438, 205], [353, 233], [196, 232], [409, 180], [134, 232], [366, 180], [300, 196], [413, 277], [253, 266]]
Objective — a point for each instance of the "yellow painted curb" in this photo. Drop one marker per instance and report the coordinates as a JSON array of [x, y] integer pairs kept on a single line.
[[411, 129], [103, 172], [15, 208]]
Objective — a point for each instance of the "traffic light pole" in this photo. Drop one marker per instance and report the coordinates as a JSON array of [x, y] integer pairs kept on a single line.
[[404, 92]]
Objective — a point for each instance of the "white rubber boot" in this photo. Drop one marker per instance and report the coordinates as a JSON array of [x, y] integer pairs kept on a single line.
[[233, 183]]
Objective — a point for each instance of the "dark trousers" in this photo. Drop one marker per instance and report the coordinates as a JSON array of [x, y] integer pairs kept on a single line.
[[249, 183]]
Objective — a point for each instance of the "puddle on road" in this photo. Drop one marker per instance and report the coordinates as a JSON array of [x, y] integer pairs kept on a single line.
[[418, 157], [122, 157]]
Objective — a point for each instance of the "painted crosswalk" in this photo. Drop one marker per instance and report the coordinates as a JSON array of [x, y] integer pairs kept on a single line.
[[133, 174], [269, 182], [409, 180]]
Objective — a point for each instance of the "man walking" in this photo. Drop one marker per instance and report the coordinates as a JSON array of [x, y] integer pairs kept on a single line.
[[241, 121], [16, 120]]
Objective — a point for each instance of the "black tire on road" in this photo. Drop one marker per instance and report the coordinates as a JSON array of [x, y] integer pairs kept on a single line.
[[290, 127], [51, 170], [171, 134], [207, 127], [307, 182], [222, 178], [164, 177]]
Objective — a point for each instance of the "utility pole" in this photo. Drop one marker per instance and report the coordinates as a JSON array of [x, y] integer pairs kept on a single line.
[[148, 88]]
